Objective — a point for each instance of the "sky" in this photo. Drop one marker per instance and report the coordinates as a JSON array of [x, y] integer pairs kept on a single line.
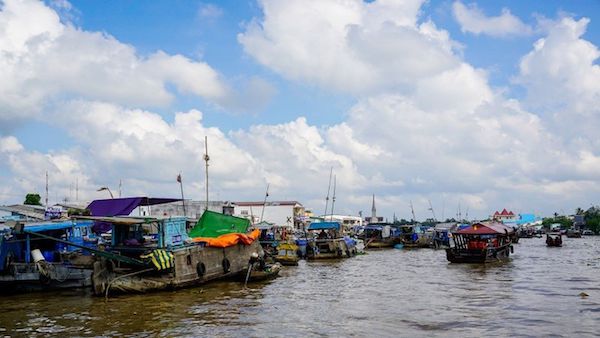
[[476, 106]]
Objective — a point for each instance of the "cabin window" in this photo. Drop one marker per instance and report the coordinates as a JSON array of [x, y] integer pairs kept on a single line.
[[244, 212], [189, 259]]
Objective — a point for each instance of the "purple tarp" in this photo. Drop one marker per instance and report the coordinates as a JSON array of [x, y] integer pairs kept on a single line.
[[120, 207]]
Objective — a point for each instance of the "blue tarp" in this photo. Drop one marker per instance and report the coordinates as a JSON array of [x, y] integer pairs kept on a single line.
[[39, 227], [324, 226]]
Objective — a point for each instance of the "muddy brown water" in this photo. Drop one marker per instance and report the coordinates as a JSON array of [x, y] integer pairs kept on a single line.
[[384, 293]]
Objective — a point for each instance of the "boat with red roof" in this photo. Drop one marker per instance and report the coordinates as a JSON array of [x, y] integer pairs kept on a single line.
[[481, 243]]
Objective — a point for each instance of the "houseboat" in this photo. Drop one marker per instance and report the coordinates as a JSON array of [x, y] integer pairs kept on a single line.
[[554, 239], [379, 235], [31, 260], [326, 242], [480, 243], [148, 254]]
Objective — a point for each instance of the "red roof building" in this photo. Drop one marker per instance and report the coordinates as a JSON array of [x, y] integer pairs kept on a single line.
[[504, 215]]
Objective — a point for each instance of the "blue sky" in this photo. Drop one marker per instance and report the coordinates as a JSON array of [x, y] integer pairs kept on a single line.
[[486, 104]]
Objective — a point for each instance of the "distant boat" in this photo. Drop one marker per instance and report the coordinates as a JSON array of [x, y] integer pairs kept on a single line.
[[380, 235], [481, 243], [413, 236], [573, 233], [553, 239]]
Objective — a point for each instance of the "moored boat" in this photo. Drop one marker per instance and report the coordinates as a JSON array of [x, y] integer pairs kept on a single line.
[[31, 260], [480, 243], [573, 233], [148, 254], [328, 242], [379, 235], [287, 254], [554, 239], [413, 236]]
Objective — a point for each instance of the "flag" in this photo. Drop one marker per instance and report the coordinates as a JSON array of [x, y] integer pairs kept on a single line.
[[179, 178]]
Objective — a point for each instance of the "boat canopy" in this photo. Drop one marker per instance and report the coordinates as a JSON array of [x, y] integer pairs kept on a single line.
[[325, 226], [485, 229], [213, 224], [48, 226], [123, 206]]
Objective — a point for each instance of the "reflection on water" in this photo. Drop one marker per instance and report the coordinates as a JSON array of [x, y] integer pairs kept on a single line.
[[385, 293]]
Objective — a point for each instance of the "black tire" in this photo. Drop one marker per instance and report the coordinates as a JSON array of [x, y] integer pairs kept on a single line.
[[226, 265], [200, 269]]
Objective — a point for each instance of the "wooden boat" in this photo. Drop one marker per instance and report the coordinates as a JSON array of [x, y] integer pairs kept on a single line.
[[481, 243], [413, 236], [260, 272], [553, 239], [31, 262], [573, 233], [328, 243], [148, 254], [379, 235], [287, 254]]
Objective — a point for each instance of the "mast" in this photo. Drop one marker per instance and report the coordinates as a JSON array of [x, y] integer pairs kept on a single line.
[[77, 189], [264, 204], [120, 186], [412, 210], [431, 208], [328, 189], [333, 199], [206, 159]]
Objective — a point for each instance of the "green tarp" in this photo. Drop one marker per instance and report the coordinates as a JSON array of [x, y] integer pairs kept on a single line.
[[213, 224]]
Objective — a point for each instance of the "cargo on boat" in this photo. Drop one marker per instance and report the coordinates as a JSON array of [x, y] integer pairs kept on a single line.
[[151, 254], [481, 243], [287, 254], [327, 242]]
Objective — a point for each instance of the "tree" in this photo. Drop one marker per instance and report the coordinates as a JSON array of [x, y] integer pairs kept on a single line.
[[33, 199]]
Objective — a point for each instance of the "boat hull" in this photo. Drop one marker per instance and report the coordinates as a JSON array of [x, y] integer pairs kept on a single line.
[[26, 277], [193, 265], [477, 255]]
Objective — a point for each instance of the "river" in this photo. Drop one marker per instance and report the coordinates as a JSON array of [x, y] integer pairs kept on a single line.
[[386, 293]]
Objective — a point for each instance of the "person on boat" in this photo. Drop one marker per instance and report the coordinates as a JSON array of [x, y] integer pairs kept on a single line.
[[322, 234]]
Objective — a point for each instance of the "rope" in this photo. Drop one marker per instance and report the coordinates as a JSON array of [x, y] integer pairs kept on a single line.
[[123, 276]]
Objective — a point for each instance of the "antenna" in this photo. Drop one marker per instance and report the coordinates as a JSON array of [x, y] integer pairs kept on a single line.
[[467, 214], [264, 203], [431, 208], [328, 189], [412, 210], [77, 189], [206, 159], [46, 188], [121, 185], [333, 199]]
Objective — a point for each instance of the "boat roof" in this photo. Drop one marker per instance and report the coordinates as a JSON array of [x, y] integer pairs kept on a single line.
[[48, 226], [324, 226], [123, 206], [485, 229], [122, 220]]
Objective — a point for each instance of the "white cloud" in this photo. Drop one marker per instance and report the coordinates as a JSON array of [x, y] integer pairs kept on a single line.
[[473, 20], [349, 45], [210, 11], [43, 59]]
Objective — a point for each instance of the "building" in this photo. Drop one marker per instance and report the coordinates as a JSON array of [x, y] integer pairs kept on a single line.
[[373, 218], [504, 215], [193, 209], [348, 222], [281, 213]]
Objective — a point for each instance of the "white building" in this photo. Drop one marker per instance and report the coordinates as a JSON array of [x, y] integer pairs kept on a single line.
[[347, 221], [278, 212]]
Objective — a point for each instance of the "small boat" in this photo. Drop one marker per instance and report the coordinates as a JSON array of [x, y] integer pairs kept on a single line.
[[481, 243], [441, 235], [573, 233], [287, 254], [553, 239], [260, 272], [327, 242], [587, 232]]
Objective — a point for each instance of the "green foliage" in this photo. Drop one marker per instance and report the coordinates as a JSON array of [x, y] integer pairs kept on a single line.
[[564, 221], [33, 199], [78, 212], [592, 219]]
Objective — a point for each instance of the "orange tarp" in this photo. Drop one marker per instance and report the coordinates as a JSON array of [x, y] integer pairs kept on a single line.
[[227, 240]]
